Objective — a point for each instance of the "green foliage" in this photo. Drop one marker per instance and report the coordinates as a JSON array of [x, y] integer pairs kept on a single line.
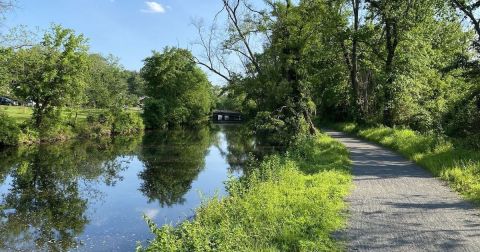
[[126, 123], [9, 130], [463, 118], [179, 92], [290, 203], [445, 158], [50, 74], [136, 84], [5, 73], [111, 123], [107, 85], [66, 124], [53, 127]]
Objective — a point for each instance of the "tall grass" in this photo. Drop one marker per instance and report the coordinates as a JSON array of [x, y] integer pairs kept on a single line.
[[291, 202], [458, 165]]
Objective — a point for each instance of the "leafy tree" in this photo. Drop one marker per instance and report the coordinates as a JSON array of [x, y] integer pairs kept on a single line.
[[107, 85], [136, 84], [5, 76], [179, 92], [51, 74]]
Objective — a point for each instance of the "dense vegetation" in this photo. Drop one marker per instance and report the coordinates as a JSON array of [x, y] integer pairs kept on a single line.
[[290, 202], [409, 63], [179, 92], [59, 79]]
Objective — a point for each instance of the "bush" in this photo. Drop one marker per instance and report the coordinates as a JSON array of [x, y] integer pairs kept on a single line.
[[9, 131], [154, 114], [283, 205], [111, 123], [464, 119], [53, 128], [126, 123]]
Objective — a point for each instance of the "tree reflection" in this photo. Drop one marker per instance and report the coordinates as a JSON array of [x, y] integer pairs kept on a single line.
[[46, 202], [173, 160], [240, 146], [243, 145]]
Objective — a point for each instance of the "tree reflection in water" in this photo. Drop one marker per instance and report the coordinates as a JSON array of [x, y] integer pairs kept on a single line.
[[47, 189], [242, 145], [45, 206], [173, 160]]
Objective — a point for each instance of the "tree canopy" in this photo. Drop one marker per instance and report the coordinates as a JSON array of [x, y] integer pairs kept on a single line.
[[50, 74], [178, 91], [392, 62]]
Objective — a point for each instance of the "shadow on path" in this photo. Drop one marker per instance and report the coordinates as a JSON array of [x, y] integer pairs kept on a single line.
[[398, 206]]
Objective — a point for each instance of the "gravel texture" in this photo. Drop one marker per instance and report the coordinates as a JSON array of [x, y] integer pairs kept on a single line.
[[398, 206]]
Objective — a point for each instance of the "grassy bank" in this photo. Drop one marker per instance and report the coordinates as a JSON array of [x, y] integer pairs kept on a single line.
[[458, 165], [290, 202], [22, 114], [16, 127]]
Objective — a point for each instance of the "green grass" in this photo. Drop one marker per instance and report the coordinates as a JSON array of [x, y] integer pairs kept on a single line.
[[291, 202], [14, 131], [21, 114], [458, 165]]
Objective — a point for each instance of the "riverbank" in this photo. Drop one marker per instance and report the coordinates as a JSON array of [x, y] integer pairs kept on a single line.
[[289, 202], [443, 157], [16, 127]]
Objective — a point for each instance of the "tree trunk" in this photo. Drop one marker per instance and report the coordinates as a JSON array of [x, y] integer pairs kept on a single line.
[[391, 46], [354, 61]]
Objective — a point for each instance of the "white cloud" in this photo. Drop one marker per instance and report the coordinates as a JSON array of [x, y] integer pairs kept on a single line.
[[154, 7]]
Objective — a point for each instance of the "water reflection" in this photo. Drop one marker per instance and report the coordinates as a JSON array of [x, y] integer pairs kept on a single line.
[[91, 195], [172, 161], [44, 207]]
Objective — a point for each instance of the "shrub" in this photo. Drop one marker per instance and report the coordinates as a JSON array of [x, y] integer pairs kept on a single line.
[[9, 131], [126, 123], [53, 128], [111, 123]]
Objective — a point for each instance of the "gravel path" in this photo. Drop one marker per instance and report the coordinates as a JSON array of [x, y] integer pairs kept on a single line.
[[398, 206]]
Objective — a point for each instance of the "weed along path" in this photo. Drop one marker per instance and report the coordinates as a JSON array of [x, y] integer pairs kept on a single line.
[[398, 206]]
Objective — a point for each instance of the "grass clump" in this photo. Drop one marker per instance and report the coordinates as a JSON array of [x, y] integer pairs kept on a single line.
[[291, 202], [445, 158]]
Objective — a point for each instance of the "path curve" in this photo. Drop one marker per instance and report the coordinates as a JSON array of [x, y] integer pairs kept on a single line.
[[398, 206]]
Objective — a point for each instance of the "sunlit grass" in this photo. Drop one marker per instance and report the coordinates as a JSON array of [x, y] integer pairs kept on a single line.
[[292, 202], [22, 114], [456, 164], [19, 114]]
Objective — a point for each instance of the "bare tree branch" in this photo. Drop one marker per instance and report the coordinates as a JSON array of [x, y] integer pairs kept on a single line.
[[233, 15]]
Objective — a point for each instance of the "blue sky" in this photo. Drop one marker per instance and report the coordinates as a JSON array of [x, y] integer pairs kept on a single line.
[[128, 29]]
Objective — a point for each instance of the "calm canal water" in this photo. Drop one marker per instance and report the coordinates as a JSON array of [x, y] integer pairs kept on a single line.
[[92, 195]]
